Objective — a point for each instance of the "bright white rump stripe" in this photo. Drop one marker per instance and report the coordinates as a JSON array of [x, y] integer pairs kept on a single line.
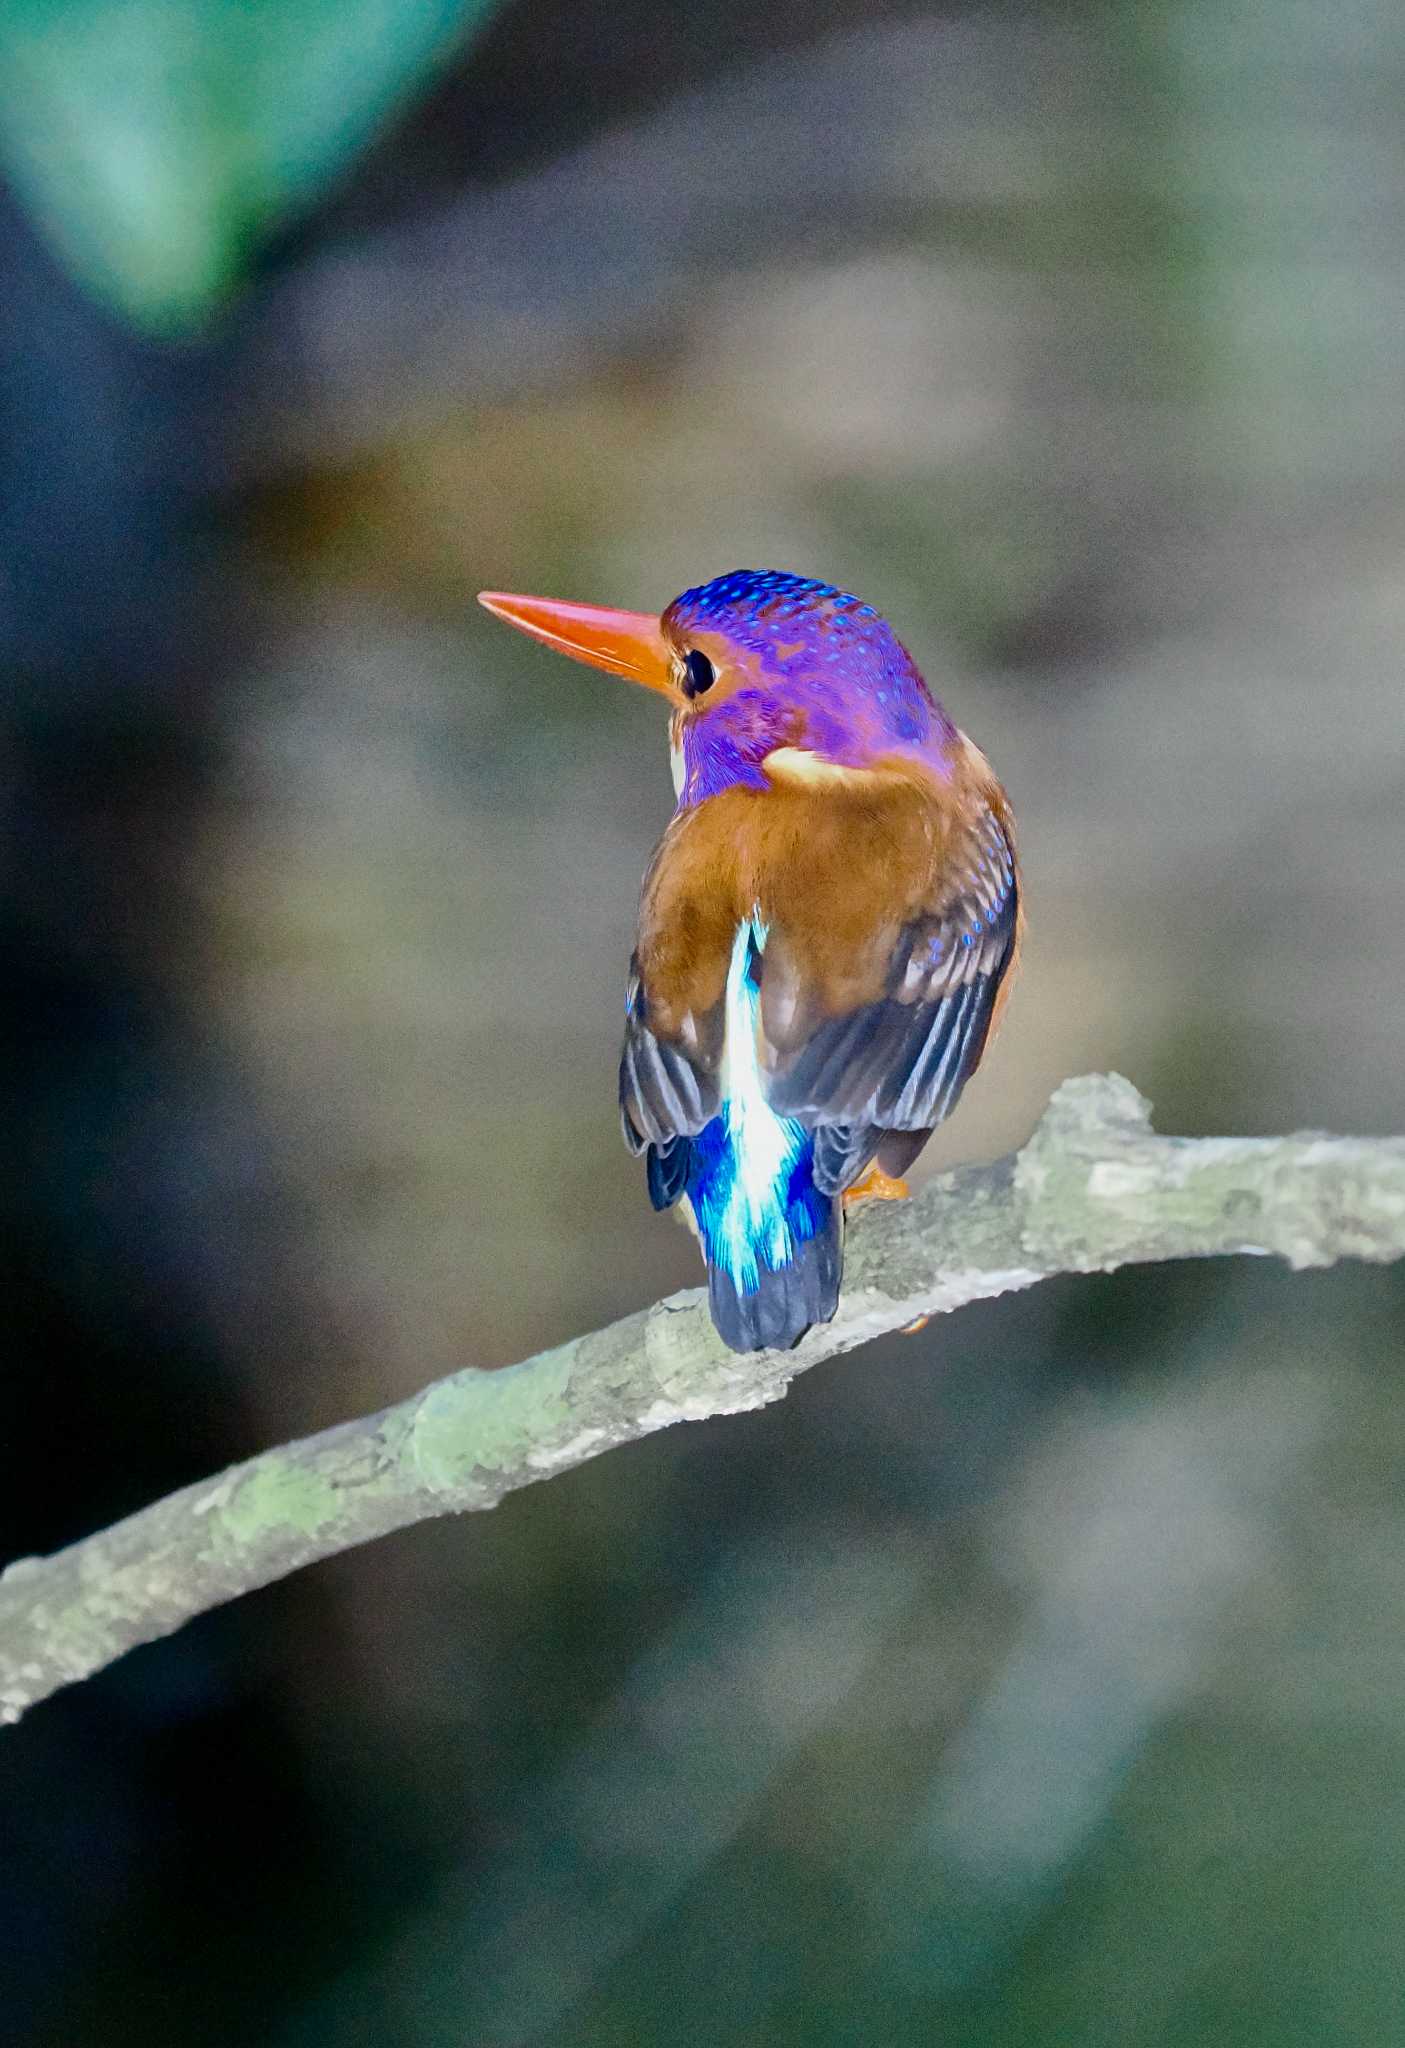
[[763, 1146]]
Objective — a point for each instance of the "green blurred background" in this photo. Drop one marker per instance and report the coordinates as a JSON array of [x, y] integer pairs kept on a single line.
[[1038, 1679]]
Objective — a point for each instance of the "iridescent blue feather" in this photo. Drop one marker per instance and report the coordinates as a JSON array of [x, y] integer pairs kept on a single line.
[[770, 1236]]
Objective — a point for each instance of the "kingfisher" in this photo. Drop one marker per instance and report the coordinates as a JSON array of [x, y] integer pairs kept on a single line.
[[827, 930]]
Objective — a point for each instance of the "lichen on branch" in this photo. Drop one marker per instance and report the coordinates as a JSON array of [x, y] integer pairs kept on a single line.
[[1094, 1188]]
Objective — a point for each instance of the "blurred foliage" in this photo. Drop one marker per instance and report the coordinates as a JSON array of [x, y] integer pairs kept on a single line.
[[159, 141]]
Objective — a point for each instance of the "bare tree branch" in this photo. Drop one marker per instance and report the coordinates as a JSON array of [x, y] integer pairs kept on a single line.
[[1094, 1188]]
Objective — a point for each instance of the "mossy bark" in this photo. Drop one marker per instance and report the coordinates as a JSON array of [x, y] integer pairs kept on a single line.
[[1094, 1188]]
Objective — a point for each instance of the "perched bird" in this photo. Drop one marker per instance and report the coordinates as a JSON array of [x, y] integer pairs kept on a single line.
[[827, 930]]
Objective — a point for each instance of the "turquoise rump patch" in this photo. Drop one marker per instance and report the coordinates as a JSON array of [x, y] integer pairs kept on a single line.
[[751, 1182]]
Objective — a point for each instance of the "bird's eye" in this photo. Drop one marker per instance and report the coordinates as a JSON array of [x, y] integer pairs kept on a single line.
[[698, 673]]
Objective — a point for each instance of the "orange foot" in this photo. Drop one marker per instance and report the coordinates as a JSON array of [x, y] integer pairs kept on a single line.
[[874, 1185]]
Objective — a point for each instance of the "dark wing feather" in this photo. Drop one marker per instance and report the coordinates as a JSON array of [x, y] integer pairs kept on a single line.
[[667, 1095], [899, 1063], [667, 1170], [842, 1151]]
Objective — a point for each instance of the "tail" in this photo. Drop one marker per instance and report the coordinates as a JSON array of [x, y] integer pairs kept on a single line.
[[787, 1299], [774, 1250]]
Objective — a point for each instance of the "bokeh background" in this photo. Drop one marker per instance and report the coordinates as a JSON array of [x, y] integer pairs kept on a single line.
[[1040, 1678]]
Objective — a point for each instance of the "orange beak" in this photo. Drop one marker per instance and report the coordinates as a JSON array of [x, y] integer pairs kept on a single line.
[[629, 644]]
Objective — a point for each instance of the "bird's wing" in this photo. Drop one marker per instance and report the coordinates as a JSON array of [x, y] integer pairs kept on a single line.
[[899, 1062], [674, 1007], [668, 1085]]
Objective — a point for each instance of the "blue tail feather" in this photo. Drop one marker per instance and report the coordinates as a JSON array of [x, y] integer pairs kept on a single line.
[[772, 1236], [773, 1250]]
